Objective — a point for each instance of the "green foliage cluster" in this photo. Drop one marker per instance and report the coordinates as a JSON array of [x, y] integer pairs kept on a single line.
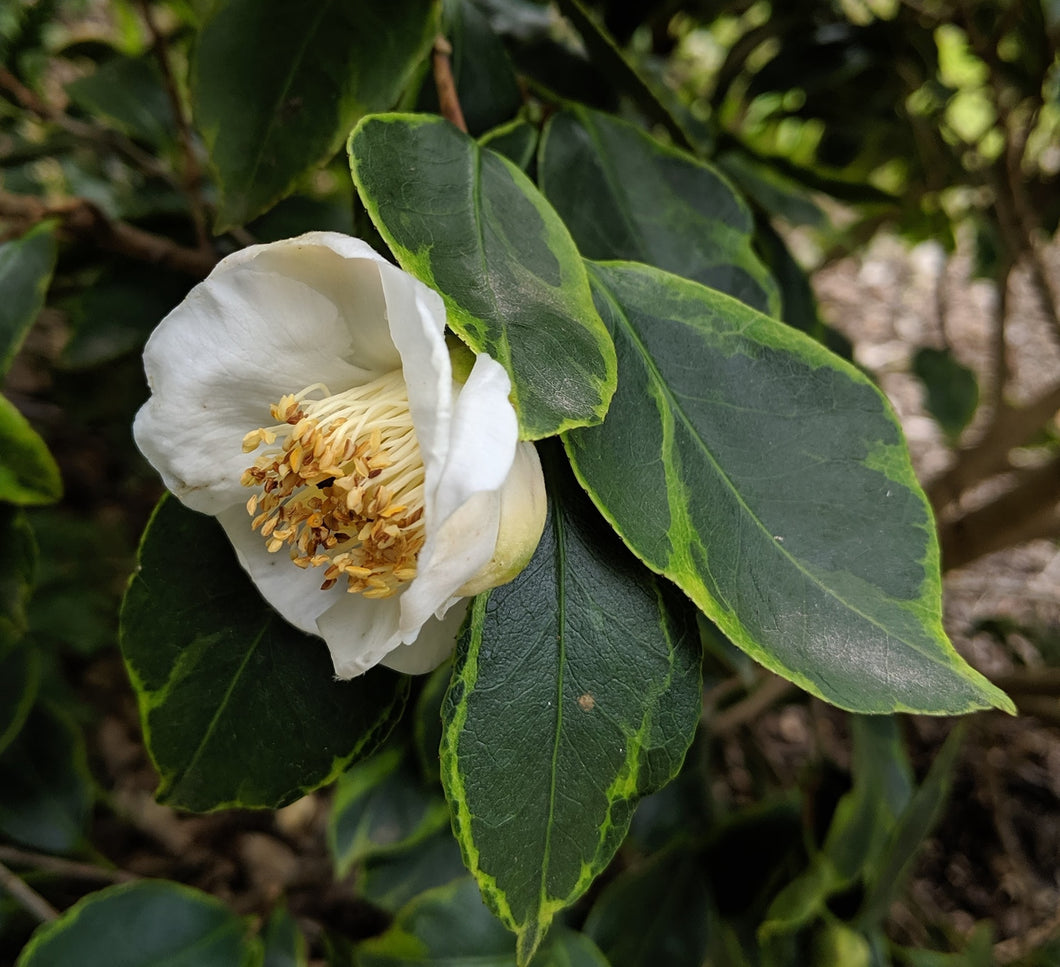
[[602, 218]]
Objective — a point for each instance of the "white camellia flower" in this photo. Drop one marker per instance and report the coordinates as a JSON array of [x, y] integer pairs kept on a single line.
[[303, 394]]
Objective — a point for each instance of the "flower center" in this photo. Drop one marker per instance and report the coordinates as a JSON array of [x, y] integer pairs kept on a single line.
[[343, 487]]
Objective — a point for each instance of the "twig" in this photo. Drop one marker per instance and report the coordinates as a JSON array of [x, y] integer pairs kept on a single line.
[[1026, 511], [192, 171], [83, 130], [28, 898], [771, 690], [1041, 682], [84, 221], [70, 869], [448, 101], [1011, 426], [1002, 370]]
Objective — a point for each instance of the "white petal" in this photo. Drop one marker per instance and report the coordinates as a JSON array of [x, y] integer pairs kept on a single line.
[[270, 319], [482, 438], [344, 269], [434, 644], [359, 632], [454, 553], [462, 518], [417, 326], [523, 508], [293, 592]]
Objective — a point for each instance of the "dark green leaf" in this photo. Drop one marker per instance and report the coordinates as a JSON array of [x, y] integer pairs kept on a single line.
[[285, 944], [427, 724], [771, 190], [952, 389], [276, 86], [858, 833], [517, 141], [144, 924], [129, 91], [28, 472], [18, 566], [446, 925], [44, 784], [485, 80], [238, 707], [470, 224], [655, 914], [907, 834], [773, 486], [798, 304], [116, 314], [553, 728], [381, 806], [19, 679], [391, 880], [25, 272], [450, 925], [85, 559], [621, 73], [625, 195]]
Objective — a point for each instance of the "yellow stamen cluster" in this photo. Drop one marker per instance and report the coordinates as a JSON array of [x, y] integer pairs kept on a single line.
[[343, 489]]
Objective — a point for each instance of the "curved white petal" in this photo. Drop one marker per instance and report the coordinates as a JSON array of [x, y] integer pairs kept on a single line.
[[417, 326], [433, 645], [359, 632], [482, 440], [270, 319], [523, 508], [293, 592], [463, 512], [344, 270], [457, 550]]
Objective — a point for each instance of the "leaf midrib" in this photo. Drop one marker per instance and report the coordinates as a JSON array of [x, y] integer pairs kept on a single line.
[[180, 775], [296, 63]]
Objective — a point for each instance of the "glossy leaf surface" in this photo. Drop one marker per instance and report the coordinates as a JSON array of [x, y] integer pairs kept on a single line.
[[28, 473], [26, 266], [381, 806], [625, 195], [470, 224], [144, 924], [602, 662], [277, 85], [773, 486], [238, 707]]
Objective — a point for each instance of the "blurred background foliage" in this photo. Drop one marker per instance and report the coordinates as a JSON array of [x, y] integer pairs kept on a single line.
[[793, 831]]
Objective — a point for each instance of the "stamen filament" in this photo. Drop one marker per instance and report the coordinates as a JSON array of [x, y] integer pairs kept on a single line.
[[343, 488]]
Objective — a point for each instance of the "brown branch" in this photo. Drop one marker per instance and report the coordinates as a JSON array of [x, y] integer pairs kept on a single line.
[[63, 867], [192, 172], [84, 130], [1027, 511], [26, 897], [448, 101], [1039, 682], [81, 220], [770, 691], [1011, 427]]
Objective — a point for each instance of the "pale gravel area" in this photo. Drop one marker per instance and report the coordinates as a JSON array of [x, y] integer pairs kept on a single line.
[[996, 854], [887, 300]]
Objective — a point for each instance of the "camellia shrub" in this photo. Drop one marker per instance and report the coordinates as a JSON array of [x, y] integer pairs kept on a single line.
[[491, 423]]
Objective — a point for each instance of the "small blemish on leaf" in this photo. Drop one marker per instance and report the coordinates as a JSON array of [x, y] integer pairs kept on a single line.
[[586, 702]]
